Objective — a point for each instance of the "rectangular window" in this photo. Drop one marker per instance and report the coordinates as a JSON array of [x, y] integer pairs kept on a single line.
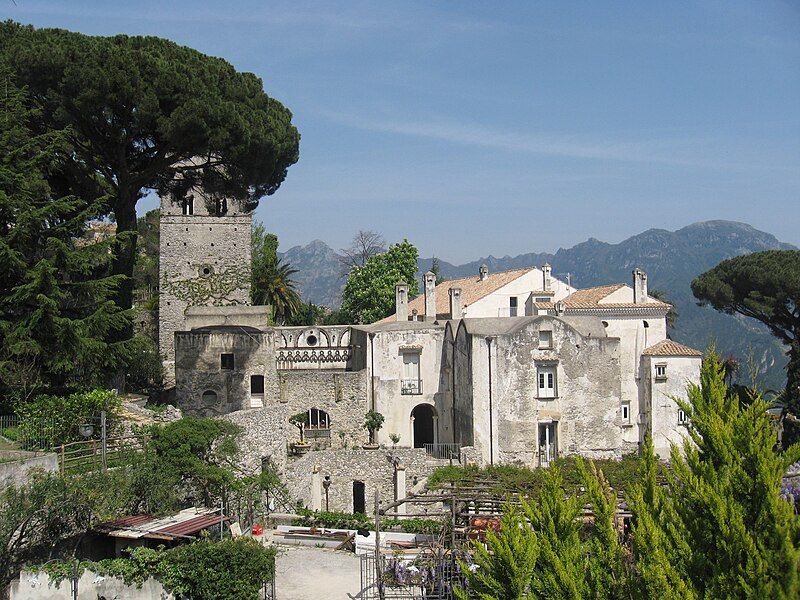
[[257, 385], [545, 339], [188, 206], [661, 371], [547, 381], [411, 384], [226, 362], [626, 413], [512, 306], [682, 418]]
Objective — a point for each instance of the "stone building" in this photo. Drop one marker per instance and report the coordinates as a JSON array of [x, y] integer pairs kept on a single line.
[[511, 367]]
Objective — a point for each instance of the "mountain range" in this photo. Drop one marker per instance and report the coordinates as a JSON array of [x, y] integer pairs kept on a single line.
[[670, 258]]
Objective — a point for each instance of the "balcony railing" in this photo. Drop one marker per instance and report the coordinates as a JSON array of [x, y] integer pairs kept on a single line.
[[444, 451], [315, 433], [411, 387]]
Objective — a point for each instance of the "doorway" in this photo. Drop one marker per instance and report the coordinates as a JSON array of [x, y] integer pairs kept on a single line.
[[359, 499], [548, 442], [423, 418]]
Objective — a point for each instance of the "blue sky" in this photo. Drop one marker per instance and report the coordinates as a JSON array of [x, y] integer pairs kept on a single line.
[[502, 128]]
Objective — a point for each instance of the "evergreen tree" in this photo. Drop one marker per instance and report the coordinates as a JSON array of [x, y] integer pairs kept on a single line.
[[56, 307], [271, 278], [369, 292], [719, 528], [503, 568]]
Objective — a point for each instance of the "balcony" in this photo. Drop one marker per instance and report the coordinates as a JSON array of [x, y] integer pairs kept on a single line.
[[411, 387]]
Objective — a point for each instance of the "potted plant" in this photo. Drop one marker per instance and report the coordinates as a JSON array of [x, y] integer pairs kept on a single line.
[[373, 421], [300, 420], [395, 437]]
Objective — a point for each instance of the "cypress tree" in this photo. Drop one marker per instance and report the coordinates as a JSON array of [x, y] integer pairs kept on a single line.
[[56, 306], [719, 528]]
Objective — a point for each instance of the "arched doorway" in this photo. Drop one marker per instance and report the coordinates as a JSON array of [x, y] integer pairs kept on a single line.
[[423, 419]]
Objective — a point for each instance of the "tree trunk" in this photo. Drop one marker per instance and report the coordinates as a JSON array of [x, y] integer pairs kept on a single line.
[[791, 428]]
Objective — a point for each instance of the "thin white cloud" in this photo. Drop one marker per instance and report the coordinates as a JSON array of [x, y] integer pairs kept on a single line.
[[661, 151]]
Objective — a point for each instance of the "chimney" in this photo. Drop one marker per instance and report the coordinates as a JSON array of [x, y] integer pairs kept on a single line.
[[639, 286], [430, 296], [456, 309], [546, 270], [484, 272], [401, 301]]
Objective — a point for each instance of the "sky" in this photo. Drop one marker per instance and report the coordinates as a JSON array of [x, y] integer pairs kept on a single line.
[[475, 128]]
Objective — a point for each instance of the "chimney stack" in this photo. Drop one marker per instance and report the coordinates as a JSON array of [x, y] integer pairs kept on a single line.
[[456, 309], [401, 301], [546, 270], [639, 286], [484, 272], [430, 296]]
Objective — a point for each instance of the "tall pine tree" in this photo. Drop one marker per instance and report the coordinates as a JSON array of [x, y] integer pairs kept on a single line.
[[56, 306]]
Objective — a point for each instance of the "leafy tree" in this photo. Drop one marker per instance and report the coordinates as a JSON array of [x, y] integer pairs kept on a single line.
[[766, 287], [55, 420], [369, 293], [145, 370], [719, 529], [145, 267], [271, 279], [193, 454], [300, 420], [308, 313], [56, 308], [373, 421], [143, 113], [365, 245]]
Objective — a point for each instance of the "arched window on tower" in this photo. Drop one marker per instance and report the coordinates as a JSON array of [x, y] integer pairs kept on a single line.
[[188, 205], [221, 206]]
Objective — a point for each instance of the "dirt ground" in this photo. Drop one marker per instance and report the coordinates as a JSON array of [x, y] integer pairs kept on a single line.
[[304, 573]]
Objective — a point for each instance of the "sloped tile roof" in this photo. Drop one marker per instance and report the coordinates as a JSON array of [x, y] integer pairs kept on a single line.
[[670, 348], [592, 298], [472, 290]]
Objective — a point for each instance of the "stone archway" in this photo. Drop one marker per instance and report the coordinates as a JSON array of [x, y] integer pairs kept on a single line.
[[423, 425]]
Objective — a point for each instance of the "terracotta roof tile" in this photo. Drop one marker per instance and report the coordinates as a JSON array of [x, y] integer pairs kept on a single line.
[[592, 298], [472, 290], [670, 348]]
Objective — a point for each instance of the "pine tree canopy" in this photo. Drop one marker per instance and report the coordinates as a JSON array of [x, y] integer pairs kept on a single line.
[[143, 113], [766, 287]]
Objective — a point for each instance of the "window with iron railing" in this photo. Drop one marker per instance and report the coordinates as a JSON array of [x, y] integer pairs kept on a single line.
[[411, 387]]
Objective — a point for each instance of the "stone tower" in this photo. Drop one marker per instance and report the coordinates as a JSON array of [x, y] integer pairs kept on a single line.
[[204, 260]]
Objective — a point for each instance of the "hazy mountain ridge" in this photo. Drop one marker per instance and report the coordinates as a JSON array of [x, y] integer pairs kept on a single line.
[[671, 258]]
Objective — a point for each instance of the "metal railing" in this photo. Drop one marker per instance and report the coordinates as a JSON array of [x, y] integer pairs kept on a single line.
[[91, 455], [425, 577], [27, 435], [443, 451], [411, 387]]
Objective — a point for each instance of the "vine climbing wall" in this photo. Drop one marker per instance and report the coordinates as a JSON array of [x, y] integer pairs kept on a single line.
[[204, 261]]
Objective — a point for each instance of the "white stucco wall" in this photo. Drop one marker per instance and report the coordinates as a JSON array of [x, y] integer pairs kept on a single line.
[[496, 304], [387, 349], [660, 411]]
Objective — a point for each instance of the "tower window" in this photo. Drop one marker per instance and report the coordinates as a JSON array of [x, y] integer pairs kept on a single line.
[[188, 206], [226, 362], [221, 206], [257, 384]]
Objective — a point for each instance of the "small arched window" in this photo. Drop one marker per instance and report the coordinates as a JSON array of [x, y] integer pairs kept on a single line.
[[209, 397]]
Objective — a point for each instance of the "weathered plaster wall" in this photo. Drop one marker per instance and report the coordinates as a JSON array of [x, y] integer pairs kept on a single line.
[[265, 434], [17, 470], [203, 261], [37, 586], [198, 369]]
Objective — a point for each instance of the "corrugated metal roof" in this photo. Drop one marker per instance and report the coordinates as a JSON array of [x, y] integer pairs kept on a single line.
[[185, 523]]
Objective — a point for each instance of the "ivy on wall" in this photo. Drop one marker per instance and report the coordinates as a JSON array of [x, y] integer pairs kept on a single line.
[[213, 289]]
